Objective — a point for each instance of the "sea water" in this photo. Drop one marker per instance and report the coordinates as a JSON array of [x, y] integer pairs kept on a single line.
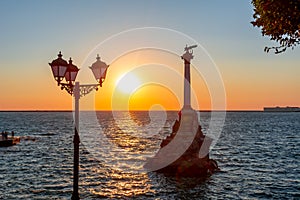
[[258, 154]]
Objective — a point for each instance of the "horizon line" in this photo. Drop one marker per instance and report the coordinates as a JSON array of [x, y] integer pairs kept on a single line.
[[34, 110]]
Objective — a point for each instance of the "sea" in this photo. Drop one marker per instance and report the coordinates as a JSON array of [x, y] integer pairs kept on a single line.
[[258, 154]]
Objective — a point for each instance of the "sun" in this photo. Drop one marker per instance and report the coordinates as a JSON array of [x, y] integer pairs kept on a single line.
[[127, 83]]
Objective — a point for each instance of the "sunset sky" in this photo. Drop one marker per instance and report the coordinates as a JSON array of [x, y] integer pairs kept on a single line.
[[33, 32]]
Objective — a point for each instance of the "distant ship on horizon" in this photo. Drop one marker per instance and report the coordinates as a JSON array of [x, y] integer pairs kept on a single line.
[[282, 109]]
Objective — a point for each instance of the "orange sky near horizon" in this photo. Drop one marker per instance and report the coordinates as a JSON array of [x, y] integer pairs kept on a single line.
[[160, 76], [159, 84]]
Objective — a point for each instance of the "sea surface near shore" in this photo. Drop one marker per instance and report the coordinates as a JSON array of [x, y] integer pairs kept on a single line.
[[258, 154]]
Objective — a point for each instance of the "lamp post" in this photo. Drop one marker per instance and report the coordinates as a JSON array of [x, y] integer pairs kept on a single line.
[[61, 70]]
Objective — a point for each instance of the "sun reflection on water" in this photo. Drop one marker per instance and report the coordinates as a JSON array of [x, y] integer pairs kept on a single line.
[[124, 185], [123, 140]]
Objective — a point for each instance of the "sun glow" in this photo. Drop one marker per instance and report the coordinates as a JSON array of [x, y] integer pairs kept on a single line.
[[127, 83]]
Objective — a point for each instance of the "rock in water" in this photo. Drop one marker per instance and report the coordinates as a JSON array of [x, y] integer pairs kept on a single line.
[[180, 151]]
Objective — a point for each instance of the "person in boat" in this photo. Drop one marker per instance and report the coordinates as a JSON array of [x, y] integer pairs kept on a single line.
[[5, 135], [12, 134], [2, 135]]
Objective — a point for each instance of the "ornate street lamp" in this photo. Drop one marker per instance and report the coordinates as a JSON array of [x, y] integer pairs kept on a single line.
[[63, 70], [59, 68], [70, 76], [99, 70], [71, 72]]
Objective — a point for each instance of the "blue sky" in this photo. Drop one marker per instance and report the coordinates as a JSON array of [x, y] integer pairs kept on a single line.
[[42, 25]]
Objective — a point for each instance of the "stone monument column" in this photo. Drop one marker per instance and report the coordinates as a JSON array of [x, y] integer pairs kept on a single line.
[[187, 57], [179, 152]]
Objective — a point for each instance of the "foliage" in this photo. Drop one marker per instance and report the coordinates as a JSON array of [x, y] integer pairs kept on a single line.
[[280, 20]]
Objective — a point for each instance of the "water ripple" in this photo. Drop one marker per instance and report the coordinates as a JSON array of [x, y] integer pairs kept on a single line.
[[258, 154]]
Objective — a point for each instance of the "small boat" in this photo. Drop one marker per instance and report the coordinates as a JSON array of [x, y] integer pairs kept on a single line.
[[9, 141], [6, 140]]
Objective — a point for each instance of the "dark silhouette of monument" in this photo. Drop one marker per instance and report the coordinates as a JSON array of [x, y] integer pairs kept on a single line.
[[185, 152]]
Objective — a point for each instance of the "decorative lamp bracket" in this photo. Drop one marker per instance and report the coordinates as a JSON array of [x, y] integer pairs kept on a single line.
[[68, 87], [86, 89]]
